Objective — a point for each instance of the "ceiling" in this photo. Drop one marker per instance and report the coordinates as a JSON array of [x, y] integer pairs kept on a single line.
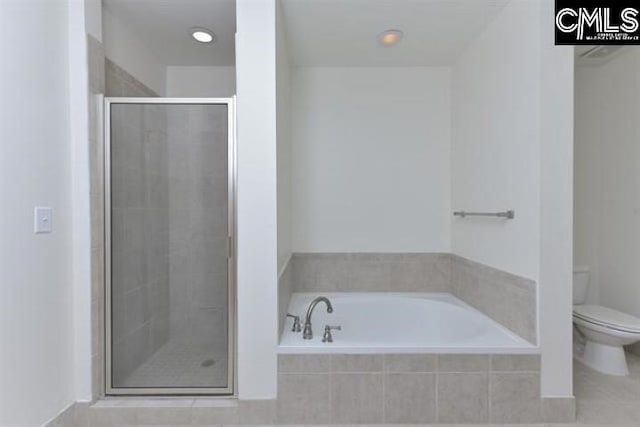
[[163, 26], [597, 55], [343, 32]]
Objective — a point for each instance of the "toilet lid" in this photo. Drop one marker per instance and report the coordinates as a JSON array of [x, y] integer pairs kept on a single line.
[[607, 317]]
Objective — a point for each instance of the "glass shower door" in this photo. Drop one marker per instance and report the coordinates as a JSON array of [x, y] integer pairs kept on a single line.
[[170, 263]]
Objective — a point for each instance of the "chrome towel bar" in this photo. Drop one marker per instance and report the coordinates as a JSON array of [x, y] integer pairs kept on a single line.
[[506, 214]]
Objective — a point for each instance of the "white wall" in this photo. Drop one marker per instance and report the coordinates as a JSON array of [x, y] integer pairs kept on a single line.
[[199, 82], [80, 24], [36, 290], [93, 18], [607, 179], [556, 211], [126, 49], [257, 195], [284, 161], [495, 142], [591, 86], [370, 159]]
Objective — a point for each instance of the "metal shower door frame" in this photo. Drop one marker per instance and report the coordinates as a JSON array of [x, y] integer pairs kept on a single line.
[[231, 259]]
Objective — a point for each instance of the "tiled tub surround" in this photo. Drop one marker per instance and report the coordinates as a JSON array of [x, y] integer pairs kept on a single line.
[[362, 272], [419, 388], [506, 298]]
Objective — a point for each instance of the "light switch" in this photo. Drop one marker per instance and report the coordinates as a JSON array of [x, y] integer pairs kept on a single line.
[[42, 219]]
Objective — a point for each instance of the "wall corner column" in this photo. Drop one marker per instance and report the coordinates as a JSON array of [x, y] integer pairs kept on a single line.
[[556, 216], [257, 293]]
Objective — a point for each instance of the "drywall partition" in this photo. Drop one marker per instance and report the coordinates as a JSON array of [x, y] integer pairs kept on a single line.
[[371, 159], [283, 113], [607, 178], [495, 147], [80, 98], [36, 290], [257, 199], [126, 49], [555, 297], [202, 81]]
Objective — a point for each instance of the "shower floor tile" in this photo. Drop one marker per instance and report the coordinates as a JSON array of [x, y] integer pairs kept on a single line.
[[180, 365]]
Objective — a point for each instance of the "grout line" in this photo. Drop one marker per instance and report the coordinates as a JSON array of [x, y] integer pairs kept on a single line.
[[490, 390], [437, 373], [304, 373], [385, 372], [437, 400], [384, 394], [490, 399], [331, 414]]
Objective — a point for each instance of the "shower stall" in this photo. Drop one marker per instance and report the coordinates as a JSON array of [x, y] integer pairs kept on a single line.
[[170, 257]]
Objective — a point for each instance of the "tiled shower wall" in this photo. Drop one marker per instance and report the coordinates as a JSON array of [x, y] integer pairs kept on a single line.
[[139, 235], [506, 298], [181, 198], [118, 82], [198, 232], [105, 78]]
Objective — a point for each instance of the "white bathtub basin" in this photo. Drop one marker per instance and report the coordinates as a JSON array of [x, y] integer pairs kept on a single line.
[[399, 323]]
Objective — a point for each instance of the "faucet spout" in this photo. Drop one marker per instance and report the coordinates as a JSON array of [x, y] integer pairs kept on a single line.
[[307, 334]]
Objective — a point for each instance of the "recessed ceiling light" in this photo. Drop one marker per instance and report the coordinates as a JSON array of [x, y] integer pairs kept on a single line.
[[202, 35], [390, 37]]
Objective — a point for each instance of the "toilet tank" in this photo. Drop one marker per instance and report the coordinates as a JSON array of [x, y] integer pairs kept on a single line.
[[580, 284]]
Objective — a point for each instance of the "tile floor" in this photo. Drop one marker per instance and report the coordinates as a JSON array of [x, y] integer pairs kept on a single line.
[[604, 400], [177, 364]]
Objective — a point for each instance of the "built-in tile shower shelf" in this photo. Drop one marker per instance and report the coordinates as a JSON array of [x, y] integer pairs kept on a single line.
[[510, 214]]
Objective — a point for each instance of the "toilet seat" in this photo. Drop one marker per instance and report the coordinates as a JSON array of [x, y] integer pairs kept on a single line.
[[608, 318]]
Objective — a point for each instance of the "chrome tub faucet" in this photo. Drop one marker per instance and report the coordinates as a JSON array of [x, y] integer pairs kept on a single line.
[[296, 323], [307, 334], [327, 337]]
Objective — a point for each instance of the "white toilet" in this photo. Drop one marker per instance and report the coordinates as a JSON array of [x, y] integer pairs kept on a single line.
[[605, 330]]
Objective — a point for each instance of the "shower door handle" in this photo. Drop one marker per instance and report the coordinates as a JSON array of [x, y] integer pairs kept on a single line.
[[230, 247]]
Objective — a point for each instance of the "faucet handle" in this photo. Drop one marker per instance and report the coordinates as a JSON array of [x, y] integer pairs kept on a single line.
[[327, 332], [296, 323]]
